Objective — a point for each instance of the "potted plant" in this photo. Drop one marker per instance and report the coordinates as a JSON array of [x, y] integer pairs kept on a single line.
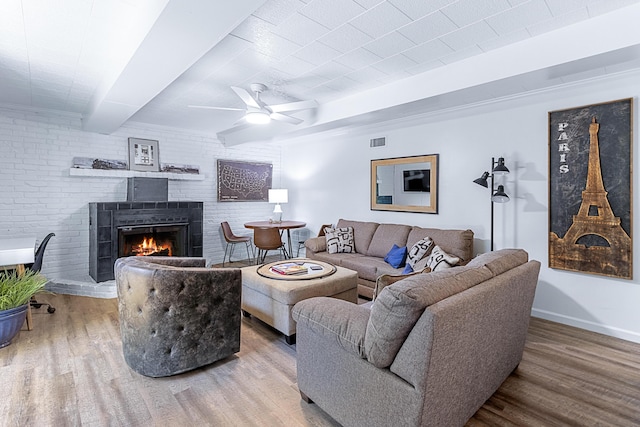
[[16, 291]]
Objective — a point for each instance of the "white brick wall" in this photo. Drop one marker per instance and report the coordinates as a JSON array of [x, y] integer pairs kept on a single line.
[[37, 195]]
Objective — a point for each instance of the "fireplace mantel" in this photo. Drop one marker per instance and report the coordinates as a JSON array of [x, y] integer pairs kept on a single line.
[[118, 173]]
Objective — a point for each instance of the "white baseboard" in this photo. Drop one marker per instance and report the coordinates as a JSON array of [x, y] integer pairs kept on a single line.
[[588, 325]]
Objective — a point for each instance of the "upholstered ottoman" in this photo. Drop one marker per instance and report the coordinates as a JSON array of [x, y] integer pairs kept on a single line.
[[270, 297]]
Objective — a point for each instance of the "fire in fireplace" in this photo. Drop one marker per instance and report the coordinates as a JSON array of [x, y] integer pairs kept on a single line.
[[151, 248], [156, 240]]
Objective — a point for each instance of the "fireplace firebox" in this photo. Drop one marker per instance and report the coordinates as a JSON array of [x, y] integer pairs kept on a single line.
[[155, 240], [119, 229]]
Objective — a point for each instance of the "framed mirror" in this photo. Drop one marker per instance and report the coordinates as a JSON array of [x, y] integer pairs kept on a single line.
[[405, 184]]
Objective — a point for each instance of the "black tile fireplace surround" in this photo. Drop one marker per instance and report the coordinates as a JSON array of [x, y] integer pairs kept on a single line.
[[107, 220]]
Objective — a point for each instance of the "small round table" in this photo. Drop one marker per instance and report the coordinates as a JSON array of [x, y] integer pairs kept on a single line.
[[283, 225]]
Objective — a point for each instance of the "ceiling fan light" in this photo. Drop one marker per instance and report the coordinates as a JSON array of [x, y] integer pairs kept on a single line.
[[257, 117]]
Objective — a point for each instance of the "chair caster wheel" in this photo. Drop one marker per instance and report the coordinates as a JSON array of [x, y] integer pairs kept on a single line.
[[51, 310], [36, 305]]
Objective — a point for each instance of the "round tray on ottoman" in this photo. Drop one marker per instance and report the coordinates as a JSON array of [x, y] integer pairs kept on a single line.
[[315, 269]]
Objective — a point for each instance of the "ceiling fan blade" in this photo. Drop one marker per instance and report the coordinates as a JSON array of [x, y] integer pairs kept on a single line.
[[246, 97], [215, 108], [294, 106], [285, 118]]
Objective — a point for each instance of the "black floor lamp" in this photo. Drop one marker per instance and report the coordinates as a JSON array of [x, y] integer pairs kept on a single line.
[[497, 195]]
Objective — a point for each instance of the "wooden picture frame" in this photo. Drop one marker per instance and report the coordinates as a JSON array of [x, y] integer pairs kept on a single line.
[[144, 155], [405, 184], [590, 189], [240, 181]]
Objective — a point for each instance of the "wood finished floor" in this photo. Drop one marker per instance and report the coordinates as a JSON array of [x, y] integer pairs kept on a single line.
[[69, 371]]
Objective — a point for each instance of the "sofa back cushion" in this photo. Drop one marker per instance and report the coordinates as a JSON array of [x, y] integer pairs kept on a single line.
[[398, 307], [500, 261], [362, 233], [386, 236], [455, 242]]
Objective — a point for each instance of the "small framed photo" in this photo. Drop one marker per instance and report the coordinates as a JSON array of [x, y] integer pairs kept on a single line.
[[144, 155]]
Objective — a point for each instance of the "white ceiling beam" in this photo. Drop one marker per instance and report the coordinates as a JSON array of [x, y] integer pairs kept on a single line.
[[184, 31], [571, 44]]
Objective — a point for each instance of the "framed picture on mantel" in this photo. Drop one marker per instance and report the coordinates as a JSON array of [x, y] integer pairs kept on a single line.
[[144, 155]]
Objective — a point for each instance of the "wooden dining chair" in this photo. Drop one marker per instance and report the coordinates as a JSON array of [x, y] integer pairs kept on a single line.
[[265, 240], [321, 232], [233, 240]]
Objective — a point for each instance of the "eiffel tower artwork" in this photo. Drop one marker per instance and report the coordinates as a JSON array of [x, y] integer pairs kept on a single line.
[[595, 241]]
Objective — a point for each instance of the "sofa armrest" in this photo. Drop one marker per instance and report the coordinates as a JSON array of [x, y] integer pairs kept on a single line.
[[334, 319], [316, 244]]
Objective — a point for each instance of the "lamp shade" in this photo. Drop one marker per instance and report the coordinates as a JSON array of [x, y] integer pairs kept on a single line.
[[500, 196], [500, 168], [483, 180], [278, 195]]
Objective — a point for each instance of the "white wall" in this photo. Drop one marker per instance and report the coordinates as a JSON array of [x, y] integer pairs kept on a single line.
[[37, 195], [328, 178]]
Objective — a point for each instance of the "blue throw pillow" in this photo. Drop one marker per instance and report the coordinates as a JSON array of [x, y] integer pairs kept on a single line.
[[407, 269], [396, 256]]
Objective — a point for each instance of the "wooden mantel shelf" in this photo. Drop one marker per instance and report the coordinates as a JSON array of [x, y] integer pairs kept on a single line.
[[118, 173]]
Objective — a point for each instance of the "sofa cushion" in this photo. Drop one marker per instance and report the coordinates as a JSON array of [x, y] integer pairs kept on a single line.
[[335, 259], [419, 250], [440, 260], [339, 240], [368, 268], [398, 307], [456, 242], [500, 261], [362, 233], [396, 257], [386, 236], [384, 268]]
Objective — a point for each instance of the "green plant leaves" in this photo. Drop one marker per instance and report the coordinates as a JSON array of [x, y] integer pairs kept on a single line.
[[17, 289]]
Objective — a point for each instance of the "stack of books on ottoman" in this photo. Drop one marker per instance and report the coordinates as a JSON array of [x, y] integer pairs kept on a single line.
[[289, 268]]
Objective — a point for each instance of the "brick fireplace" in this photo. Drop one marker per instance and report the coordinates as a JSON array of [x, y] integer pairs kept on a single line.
[[119, 229]]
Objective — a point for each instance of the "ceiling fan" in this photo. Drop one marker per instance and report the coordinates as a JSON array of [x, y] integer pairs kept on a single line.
[[257, 112]]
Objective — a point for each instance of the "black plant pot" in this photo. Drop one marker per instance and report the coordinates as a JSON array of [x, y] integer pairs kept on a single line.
[[10, 323]]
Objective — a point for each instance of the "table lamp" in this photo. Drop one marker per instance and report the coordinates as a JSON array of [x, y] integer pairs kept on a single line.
[[277, 196]]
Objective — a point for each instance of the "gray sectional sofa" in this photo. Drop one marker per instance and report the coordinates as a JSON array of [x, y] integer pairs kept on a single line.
[[428, 351], [373, 241]]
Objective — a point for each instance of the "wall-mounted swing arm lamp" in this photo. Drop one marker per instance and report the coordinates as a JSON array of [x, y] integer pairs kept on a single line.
[[497, 195]]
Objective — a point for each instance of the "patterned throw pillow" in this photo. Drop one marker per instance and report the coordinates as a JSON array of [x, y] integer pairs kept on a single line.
[[339, 240], [418, 251], [440, 260]]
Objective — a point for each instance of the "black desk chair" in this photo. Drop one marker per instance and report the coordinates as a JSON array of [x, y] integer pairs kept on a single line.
[[36, 266]]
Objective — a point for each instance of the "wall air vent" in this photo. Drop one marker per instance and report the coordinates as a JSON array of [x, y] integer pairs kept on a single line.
[[377, 142]]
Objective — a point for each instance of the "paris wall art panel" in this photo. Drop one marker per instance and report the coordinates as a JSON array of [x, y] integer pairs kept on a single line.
[[590, 194]]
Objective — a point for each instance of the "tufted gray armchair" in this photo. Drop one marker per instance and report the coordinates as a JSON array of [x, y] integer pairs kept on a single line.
[[175, 314]]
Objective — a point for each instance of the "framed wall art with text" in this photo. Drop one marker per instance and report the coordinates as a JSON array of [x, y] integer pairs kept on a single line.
[[590, 189]]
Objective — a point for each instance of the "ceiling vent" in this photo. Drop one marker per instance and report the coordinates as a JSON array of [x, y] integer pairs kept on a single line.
[[377, 142]]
